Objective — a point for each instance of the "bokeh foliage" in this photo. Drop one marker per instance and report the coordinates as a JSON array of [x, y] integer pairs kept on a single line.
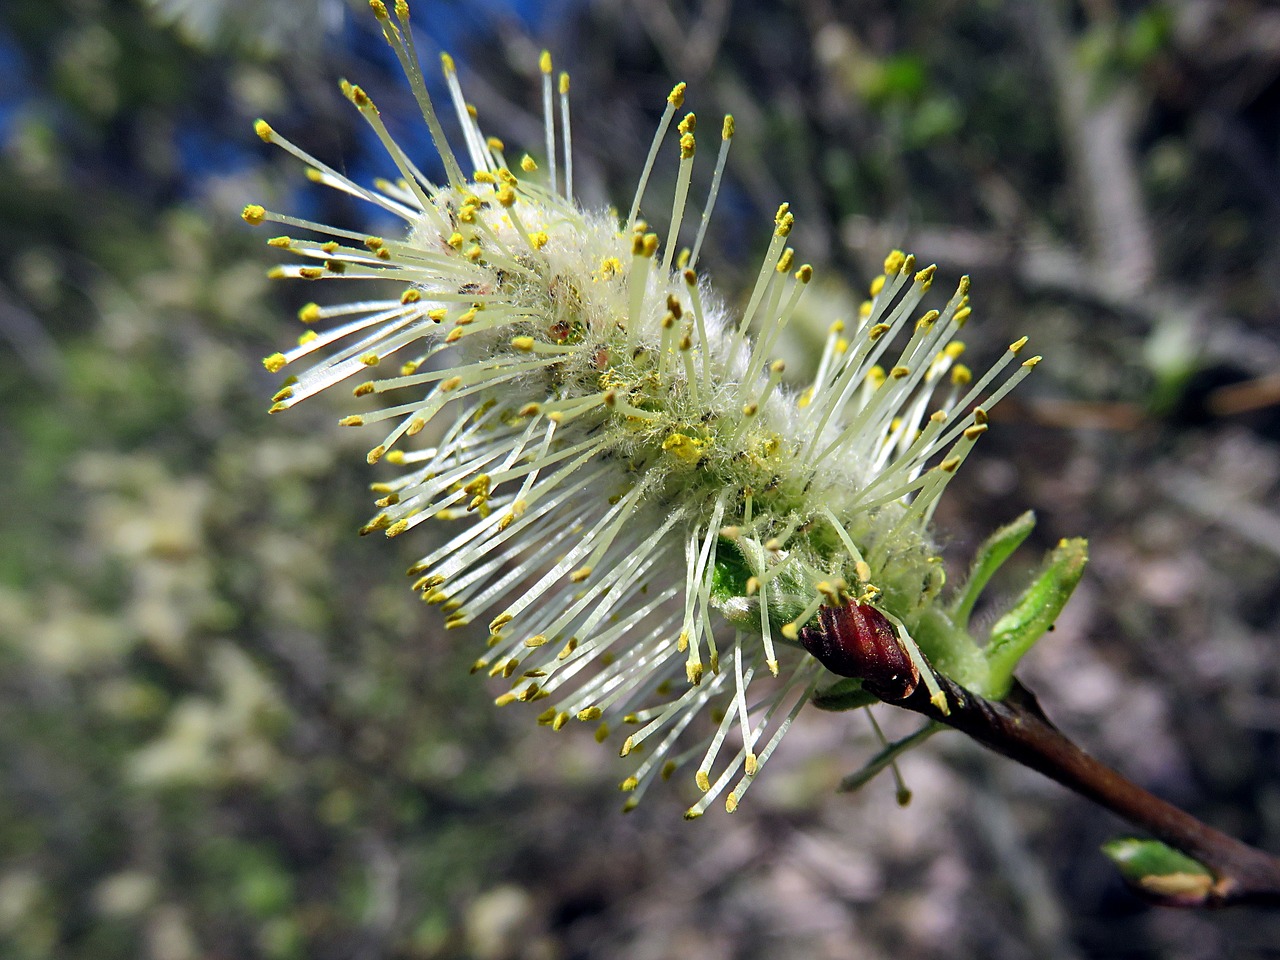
[[228, 730]]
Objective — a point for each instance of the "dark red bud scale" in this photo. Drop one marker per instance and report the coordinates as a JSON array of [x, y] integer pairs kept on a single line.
[[857, 640]]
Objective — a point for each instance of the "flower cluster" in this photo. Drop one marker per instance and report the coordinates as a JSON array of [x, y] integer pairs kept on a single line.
[[645, 515]]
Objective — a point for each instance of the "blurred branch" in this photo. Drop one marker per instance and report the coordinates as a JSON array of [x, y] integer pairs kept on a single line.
[[1250, 522], [1097, 121]]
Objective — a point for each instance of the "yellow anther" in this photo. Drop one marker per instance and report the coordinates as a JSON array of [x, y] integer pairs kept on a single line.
[[928, 320], [263, 130], [925, 276], [899, 372], [950, 465], [280, 242], [483, 176], [582, 573], [953, 350], [253, 214], [564, 83], [310, 273], [505, 699], [785, 261], [410, 296], [437, 315], [1031, 362], [374, 455], [961, 375], [310, 313], [506, 196], [688, 145], [589, 714], [750, 409], [353, 421], [524, 344], [676, 96], [446, 62], [397, 528], [544, 61], [370, 359], [496, 145], [538, 239], [364, 389], [357, 95], [415, 426], [694, 672], [974, 432], [570, 645], [380, 522], [893, 262], [527, 164], [726, 131], [560, 720], [1016, 347], [650, 245], [602, 733], [750, 766], [805, 273], [274, 363], [628, 784], [791, 630], [877, 285], [684, 448], [281, 396], [448, 386]]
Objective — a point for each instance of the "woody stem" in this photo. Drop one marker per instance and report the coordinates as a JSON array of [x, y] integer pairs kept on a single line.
[[1018, 729]]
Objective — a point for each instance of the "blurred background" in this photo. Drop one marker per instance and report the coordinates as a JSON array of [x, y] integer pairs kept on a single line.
[[229, 730]]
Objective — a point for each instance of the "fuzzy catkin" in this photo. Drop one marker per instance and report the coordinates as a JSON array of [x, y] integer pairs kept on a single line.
[[641, 510]]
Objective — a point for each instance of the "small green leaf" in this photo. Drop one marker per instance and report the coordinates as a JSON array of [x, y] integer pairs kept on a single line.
[[1158, 871], [990, 557], [1018, 630], [846, 694]]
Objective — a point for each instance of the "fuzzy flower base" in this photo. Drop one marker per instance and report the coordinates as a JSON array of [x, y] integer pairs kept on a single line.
[[646, 516]]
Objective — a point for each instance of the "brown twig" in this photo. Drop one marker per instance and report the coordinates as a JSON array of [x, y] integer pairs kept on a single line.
[[1018, 729]]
